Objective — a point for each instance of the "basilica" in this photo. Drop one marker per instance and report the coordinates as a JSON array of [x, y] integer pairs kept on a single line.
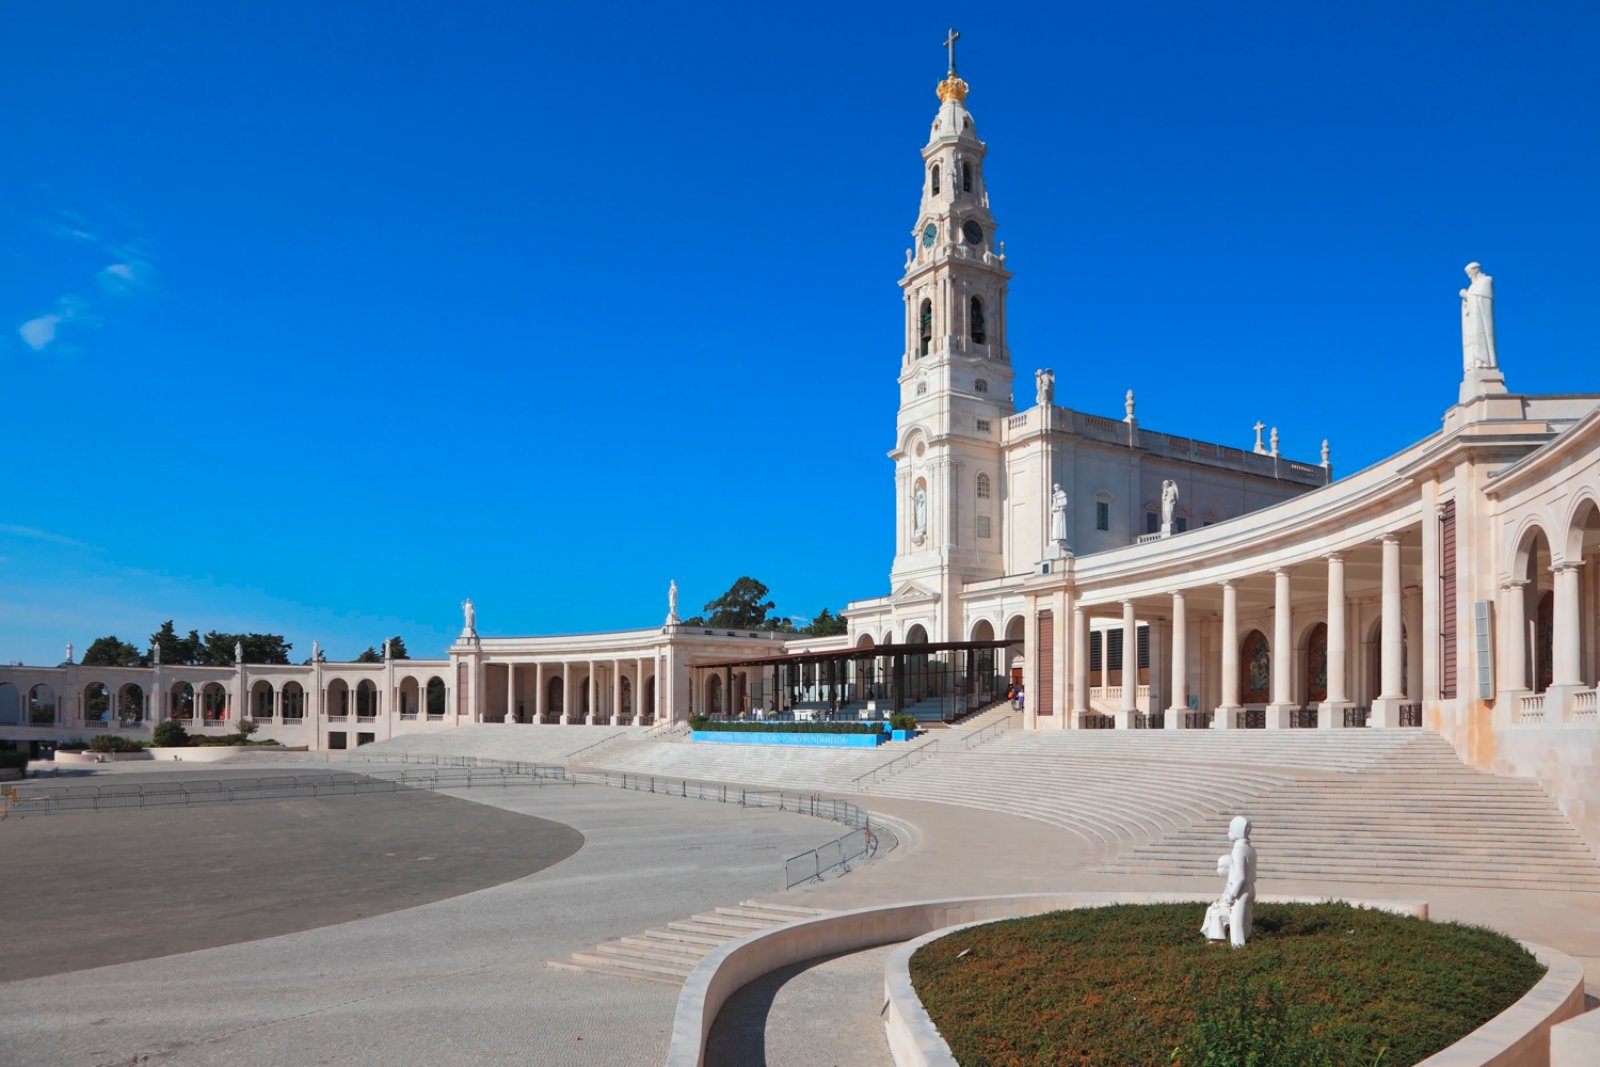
[[1123, 577]]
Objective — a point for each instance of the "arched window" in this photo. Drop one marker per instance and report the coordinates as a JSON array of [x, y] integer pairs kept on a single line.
[[981, 385], [925, 327], [936, 179], [1256, 659], [975, 322], [983, 487], [966, 177]]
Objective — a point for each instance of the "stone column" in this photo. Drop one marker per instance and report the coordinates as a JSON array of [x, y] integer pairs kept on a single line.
[[616, 692], [1331, 712], [1564, 657], [511, 692], [638, 690], [1080, 666], [1223, 720], [594, 695], [1386, 709], [1130, 667], [568, 701], [538, 693], [1566, 675], [1281, 709], [1180, 663]]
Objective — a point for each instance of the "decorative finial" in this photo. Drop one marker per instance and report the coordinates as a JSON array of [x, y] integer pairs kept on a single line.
[[952, 88], [1274, 440], [1324, 451]]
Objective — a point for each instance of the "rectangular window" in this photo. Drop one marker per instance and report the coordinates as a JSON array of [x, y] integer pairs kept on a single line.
[[1094, 650], [1152, 522], [983, 425], [1179, 524], [1144, 647], [983, 526], [1102, 515], [1114, 648]]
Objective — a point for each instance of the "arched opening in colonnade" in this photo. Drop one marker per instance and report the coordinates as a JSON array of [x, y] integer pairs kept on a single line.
[[436, 697], [338, 699], [293, 700], [1583, 546], [625, 698], [410, 698], [214, 702], [180, 701], [366, 699], [96, 702], [647, 708], [916, 666], [713, 701], [130, 702], [1015, 628], [1372, 660], [261, 700], [41, 705], [554, 699]]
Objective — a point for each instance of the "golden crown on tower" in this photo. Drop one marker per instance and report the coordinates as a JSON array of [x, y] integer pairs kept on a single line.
[[952, 88]]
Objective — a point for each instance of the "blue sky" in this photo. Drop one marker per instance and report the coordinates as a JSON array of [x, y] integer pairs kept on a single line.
[[315, 319]]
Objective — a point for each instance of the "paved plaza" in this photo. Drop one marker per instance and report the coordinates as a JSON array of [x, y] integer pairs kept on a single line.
[[463, 979]]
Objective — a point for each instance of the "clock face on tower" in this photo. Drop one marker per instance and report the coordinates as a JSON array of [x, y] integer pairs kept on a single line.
[[972, 232], [929, 233]]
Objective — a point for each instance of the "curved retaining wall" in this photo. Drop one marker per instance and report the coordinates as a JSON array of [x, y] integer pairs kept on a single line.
[[724, 971]]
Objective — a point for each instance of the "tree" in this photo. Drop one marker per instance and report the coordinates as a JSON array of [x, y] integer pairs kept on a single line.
[[369, 655], [175, 649], [217, 649], [827, 624], [743, 607], [111, 652], [397, 648], [169, 733]]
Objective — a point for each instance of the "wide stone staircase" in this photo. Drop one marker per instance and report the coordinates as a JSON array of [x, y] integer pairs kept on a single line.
[[668, 955], [777, 766], [526, 742], [1416, 815]]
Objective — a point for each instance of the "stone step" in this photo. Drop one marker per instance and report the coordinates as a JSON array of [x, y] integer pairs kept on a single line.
[[690, 937], [672, 970], [792, 910], [725, 932], [745, 911], [684, 949], [738, 922], [640, 952]]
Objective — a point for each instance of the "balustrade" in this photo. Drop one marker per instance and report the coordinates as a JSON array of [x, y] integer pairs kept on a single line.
[[1530, 708], [1584, 705]]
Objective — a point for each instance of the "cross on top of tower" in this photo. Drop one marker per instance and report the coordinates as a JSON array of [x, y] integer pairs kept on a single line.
[[950, 43]]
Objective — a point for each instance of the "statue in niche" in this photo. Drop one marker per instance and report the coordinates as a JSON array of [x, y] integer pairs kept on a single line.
[[1058, 514], [1215, 926], [1240, 894], [469, 616], [1044, 387], [672, 603], [1169, 504], [1477, 322], [919, 528]]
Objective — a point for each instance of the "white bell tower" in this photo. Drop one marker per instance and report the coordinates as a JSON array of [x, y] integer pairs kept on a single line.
[[955, 376]]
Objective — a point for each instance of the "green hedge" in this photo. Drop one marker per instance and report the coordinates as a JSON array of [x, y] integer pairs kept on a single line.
[[698, 723], [114, 743], [13, 760]]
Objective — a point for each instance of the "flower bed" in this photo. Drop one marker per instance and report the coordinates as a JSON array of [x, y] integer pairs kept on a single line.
[[1319, 984]]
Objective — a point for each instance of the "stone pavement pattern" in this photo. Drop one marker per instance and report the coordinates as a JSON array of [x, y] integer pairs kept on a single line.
[[458, 981]]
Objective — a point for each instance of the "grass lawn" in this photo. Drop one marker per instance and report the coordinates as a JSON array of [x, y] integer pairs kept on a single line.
[[1319, 984]]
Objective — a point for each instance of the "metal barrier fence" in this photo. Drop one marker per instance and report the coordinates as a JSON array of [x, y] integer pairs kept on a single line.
[[811, 866], [60, 799], [862, 840]]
